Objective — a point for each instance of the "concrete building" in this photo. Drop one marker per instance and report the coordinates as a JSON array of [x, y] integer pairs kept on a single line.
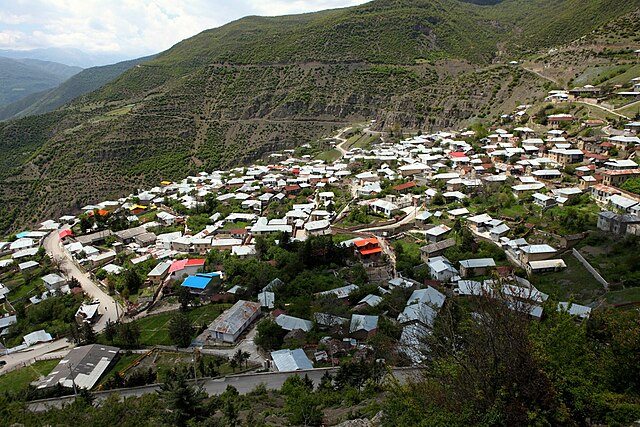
[[234, 321]]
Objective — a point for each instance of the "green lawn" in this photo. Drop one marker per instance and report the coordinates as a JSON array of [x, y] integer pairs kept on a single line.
[[124, 361], [572, 282], [624, 296], [20, 379], [155, 329]]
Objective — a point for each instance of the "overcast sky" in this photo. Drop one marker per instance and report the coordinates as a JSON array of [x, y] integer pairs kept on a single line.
[[130, 28]]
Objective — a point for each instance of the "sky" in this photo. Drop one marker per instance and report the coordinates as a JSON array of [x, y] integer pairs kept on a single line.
[[130, 28]]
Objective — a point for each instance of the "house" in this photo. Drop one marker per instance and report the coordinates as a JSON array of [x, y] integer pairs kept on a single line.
[[267, 299], [127, 236], [159, 272], [82, 367], [290, 360], [435, 249], [616, 224], [201, 284], [564, 156], [499, 231], [368, 249], [476, 267], [185, 267], [37, 337], [330, 321], [341, 292], [362, 326], [318, 228], [88, 313], [536, 253], [622, 203], [290, 323], [543, 200], [437, 233], [441, 269], [615, 178], [53, 281], [28, 265], [559, 119], [535, 267], [602, 192], [232, 322], [580, 311], [383, 207]]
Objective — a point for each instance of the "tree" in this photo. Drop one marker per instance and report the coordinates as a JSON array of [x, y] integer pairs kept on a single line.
[[269, 335], [261, 247], [182, 401], [181, 330], [132, 281], [110, 330], [128, 334], [184, 297], [87, 334]]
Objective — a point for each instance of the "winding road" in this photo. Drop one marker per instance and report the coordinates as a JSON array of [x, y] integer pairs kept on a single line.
[[108, 310]]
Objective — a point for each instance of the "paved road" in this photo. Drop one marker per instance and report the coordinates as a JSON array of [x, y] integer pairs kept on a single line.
[[107, 309], [243, 383], [50, 350]]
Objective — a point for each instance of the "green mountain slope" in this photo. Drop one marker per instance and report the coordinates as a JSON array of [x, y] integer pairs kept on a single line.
[[81, 83], [230, 95], [20, 77]]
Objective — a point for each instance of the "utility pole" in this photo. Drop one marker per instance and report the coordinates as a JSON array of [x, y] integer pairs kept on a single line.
[[73, 381], [194, 359]]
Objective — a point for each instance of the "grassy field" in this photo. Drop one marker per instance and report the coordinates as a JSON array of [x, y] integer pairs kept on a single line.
[[155, 329], [623, 296], [21, 378], [573, 282], [329, 156]]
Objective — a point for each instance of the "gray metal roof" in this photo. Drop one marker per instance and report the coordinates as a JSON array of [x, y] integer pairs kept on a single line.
[[83, 366], [361, 322], [234, 319], [291, 360], [478, 263], [290, 323]]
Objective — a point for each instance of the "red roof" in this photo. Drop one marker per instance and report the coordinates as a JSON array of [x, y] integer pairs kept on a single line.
[[65, 233], [371, 251], [295, 187], [457, 154], [405, 186], [364, 242], [183, 263]]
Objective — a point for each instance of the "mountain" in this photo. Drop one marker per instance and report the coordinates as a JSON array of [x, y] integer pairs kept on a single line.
[[81, 83], [69, 56], [229, 95], [22, 77]]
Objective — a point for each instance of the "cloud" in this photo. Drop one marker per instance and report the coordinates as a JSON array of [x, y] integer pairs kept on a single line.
[[131, 27]]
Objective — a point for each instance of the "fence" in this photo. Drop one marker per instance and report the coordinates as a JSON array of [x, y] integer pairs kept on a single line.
[[589, 268]]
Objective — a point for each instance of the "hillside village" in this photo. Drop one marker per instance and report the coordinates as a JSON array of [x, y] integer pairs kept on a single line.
[[348, 247]]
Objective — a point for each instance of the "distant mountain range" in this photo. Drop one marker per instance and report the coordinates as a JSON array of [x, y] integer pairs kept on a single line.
[[22, 77], [68, 56], [79, 84]]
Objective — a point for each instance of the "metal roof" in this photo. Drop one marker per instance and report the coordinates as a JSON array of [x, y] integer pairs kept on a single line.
[[83, 366], [291, 360], [233, 320], [361, 322], [290, 323]]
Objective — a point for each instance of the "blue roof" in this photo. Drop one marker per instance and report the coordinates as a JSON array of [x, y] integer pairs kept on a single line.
[[196, 282], [23, 234]]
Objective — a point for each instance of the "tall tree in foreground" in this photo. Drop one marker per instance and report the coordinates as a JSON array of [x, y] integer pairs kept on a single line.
[[182, 401], [181, 330]]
